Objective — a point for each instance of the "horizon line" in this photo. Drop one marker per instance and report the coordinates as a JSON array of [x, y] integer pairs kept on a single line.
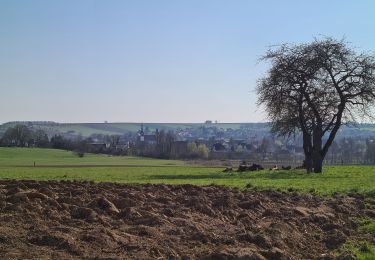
[[128, 122]]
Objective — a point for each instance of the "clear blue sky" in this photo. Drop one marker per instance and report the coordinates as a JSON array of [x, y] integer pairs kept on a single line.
[[154, 61]]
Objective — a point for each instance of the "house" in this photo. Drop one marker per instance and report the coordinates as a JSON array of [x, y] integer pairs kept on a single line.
[[100, 145]]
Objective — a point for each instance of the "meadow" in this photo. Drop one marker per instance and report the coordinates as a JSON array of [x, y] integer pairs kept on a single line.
[[15, 157], [18, 163]]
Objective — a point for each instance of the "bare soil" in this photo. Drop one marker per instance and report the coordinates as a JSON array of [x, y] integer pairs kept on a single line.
[[69, 220]]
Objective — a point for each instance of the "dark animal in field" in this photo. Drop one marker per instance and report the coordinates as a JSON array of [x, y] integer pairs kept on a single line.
[[286, 168], [242, 168], [253, 167], [228, 169]]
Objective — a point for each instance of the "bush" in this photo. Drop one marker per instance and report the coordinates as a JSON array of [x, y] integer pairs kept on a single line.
[[202, 151]]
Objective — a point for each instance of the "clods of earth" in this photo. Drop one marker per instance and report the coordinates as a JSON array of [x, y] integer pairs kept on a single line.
[[73, 220]]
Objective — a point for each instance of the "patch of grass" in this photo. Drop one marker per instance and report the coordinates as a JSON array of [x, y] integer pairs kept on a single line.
[[361, 250], [367, 225]]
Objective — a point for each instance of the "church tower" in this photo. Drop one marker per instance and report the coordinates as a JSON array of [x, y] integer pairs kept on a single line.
[[141, 134]]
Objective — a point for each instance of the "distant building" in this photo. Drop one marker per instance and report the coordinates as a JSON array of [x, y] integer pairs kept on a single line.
[[143, 138], [99, 145]]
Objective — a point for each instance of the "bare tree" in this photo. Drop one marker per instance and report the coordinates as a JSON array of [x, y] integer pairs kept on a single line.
[[315, 88], [19, 135]]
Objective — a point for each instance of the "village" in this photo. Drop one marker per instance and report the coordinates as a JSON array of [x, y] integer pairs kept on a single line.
[[208, 141]]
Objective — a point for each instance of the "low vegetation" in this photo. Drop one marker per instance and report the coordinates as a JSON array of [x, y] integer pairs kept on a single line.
[[358, 250], [367, 225]]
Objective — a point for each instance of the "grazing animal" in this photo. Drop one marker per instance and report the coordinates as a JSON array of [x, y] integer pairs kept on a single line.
[[242, 168], [255, 167], [275, 168], [228, 169]]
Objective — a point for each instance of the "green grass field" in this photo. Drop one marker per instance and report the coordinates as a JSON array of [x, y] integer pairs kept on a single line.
[[17, 163], [10, 157]]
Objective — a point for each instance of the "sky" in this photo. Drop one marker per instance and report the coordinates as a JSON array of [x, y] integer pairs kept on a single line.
[[155, 61]]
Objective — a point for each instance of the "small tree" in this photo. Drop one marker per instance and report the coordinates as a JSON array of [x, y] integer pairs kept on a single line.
[[315, 88], [60, 142], [40, 138], [192, 149], [202, 151]]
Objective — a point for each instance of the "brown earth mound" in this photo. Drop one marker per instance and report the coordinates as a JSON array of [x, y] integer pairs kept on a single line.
[[65, 220]]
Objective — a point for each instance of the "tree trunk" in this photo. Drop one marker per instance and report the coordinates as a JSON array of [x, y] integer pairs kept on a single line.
[[308, 152], [317, 162], [317, 149], [308, 162]]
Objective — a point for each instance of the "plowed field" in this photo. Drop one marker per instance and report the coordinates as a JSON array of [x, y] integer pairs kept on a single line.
[[64, 220]]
